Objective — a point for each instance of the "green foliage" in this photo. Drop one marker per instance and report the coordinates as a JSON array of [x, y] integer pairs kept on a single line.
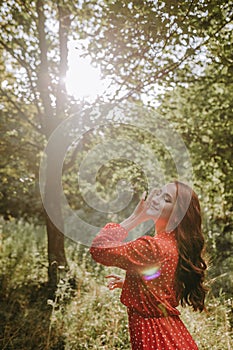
[[149, 41], [202, 113], [83, 314], [140, 43], [207, 329], [183, 45], [19, 164]]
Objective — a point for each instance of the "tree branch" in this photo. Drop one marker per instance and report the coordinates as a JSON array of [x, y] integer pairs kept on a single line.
[[43, 75], [64, 26], [26, 67], [22, 114], [70, 164], [163, 72]]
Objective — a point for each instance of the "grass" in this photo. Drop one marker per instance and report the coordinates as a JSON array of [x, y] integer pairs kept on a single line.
[[86, 316]]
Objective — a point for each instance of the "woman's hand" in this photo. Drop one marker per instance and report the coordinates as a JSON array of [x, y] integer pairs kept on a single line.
[[141, 207], [116, 281], [139, 214]]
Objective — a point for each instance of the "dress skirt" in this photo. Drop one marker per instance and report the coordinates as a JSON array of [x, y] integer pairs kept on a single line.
[[159, 333]]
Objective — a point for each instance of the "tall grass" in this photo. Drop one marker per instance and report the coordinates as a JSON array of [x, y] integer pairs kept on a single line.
[[84, 314]]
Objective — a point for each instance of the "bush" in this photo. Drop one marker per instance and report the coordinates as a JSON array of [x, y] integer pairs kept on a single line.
[[83, 314]]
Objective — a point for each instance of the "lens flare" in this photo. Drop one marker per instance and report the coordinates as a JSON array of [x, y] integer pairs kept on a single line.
[[151, 273], [114, 130]]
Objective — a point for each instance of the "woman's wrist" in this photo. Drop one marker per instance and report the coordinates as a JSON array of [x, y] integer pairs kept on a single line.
[[131, 222]]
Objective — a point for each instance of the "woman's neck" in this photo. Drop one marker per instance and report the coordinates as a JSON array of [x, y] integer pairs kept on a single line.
[[160, 226]]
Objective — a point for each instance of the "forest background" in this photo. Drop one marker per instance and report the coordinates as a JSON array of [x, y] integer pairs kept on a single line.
[[168, 69]]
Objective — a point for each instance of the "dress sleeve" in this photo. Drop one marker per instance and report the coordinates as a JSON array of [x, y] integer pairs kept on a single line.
[[109, 249]]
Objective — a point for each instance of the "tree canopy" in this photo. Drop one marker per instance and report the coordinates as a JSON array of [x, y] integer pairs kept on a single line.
[[175, 54]]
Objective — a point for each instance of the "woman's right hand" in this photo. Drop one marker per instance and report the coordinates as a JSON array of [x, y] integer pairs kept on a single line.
[[139, 214], [140, 210], [116, 281]]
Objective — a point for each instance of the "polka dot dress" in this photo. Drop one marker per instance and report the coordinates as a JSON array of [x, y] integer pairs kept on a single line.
[[148, 291]]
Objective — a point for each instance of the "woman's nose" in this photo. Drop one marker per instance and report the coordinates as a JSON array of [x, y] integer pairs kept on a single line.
[[155, 200]]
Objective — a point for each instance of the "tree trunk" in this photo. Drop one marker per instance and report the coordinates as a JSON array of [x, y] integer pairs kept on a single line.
[[56, 253], [54, 220], [52, 117]]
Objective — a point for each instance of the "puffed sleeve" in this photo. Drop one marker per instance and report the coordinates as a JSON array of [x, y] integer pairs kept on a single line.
[[109, 249]]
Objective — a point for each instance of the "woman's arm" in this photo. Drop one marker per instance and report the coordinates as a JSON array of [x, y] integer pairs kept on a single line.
[[139, 215], [108, 247]]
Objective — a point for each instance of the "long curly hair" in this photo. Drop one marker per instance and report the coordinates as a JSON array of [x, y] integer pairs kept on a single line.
[[190, 272]]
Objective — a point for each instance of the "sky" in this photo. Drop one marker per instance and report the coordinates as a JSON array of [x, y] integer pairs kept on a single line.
[[83, 80]]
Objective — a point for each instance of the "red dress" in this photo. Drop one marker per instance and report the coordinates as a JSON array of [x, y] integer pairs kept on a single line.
[[148, 290]]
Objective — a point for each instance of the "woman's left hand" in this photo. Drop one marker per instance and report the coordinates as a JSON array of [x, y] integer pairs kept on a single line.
[[116, 282]]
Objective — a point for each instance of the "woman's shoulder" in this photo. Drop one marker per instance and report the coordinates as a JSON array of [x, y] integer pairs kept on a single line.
[[167, 243], [149, 243]]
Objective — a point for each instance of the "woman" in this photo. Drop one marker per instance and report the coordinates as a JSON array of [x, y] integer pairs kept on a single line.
[[161, 271]]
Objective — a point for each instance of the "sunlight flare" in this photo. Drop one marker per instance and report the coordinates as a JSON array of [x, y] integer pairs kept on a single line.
[[151, 273], [83, 80]]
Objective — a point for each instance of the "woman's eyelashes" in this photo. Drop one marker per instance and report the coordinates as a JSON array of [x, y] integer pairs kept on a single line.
[[167, 199]]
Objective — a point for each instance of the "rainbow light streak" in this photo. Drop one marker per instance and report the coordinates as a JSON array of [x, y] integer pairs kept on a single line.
[[151, 273]]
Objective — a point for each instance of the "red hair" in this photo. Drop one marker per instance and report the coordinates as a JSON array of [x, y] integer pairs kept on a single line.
[[190, 272]]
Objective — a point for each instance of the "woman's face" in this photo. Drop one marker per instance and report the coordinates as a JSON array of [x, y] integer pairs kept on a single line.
[[162, 203]]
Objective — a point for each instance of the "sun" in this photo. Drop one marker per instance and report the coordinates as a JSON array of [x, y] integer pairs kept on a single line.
[[83, 81]]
